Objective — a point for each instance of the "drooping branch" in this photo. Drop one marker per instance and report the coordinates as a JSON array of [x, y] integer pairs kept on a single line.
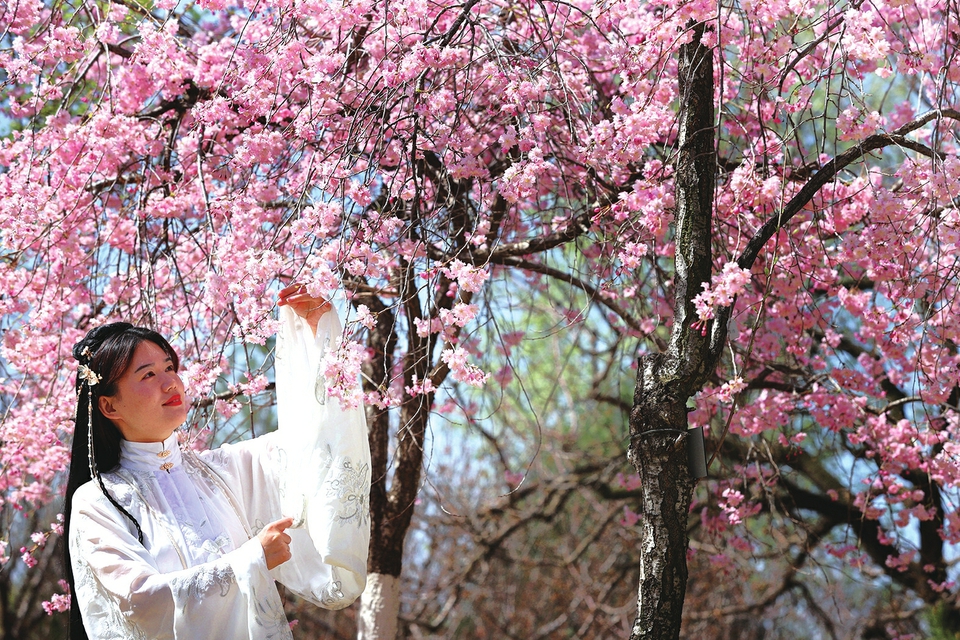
[[830, 171], [592, 292], [869, 534], [821, 178], [810, 487]]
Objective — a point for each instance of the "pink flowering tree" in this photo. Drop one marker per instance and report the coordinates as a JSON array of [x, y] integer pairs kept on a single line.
[[761, 195]]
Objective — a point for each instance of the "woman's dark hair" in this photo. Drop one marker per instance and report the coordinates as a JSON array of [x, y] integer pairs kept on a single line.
[[106, 351]]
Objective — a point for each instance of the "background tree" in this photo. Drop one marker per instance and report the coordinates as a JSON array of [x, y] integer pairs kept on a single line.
[[168, 162], [538, 498]]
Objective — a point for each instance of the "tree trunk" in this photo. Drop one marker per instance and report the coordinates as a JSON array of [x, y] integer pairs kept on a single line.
[[658, 421], [659, 454], [380, 601], [392, 506], [379, 608]]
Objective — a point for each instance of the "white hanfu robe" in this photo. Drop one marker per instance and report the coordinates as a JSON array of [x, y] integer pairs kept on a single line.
[[200, 572]]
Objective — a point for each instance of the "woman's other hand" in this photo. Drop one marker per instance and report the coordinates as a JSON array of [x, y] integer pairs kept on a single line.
[[303, 304], [276, 542]]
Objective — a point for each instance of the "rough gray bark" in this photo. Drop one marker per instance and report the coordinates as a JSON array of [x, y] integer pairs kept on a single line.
[[665, 381]]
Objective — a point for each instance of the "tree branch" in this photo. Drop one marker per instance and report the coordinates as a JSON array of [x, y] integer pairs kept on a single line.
[[592, 292]]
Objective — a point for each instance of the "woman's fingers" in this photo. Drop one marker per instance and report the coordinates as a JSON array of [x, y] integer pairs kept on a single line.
[[296, 295], [289, 290], [276, 542], [292, 293], [308, 307]]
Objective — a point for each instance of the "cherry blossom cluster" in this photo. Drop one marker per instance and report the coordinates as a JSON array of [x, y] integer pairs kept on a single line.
[[721, 290]]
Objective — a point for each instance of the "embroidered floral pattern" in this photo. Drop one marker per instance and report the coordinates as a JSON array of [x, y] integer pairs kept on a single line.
[[292, 499], [349, 485], [331, 595], [203, 581], [269, 615], [320, 388], [320, 380]]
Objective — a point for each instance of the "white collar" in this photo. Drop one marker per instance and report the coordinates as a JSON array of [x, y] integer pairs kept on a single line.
[[150, 456]]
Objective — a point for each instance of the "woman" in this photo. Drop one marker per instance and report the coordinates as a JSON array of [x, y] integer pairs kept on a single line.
[[164, 543]]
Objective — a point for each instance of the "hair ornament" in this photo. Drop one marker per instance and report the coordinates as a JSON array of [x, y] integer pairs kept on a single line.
[[88, 375], [91, 459]]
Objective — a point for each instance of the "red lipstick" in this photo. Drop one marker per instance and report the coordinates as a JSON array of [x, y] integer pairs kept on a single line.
[[175, 401]]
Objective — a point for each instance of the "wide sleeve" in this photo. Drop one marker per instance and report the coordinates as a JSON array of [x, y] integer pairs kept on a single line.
[[122, 593], [315, 468], [324, 469]]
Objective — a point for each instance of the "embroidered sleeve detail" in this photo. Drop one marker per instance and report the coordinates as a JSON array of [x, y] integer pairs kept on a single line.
[[348, 487], [204, 581], [270, 618], [331, 595], [186, 580]]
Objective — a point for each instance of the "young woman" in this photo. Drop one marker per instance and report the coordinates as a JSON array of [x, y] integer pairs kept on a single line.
[[169, 543]]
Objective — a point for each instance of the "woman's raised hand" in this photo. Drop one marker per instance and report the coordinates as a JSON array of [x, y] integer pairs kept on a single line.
[[303, 304], [276, 542]]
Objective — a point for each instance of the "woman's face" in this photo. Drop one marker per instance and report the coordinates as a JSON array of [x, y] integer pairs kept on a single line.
[[149, 403]]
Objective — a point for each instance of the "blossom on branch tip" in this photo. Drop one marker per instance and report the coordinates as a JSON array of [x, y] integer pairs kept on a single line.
[[427, 326], [459, 315], [729, 390], [365, 317], [418, 388], [721, 290], [461, 370], [469, 277], [630, 517], [341, 370]]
